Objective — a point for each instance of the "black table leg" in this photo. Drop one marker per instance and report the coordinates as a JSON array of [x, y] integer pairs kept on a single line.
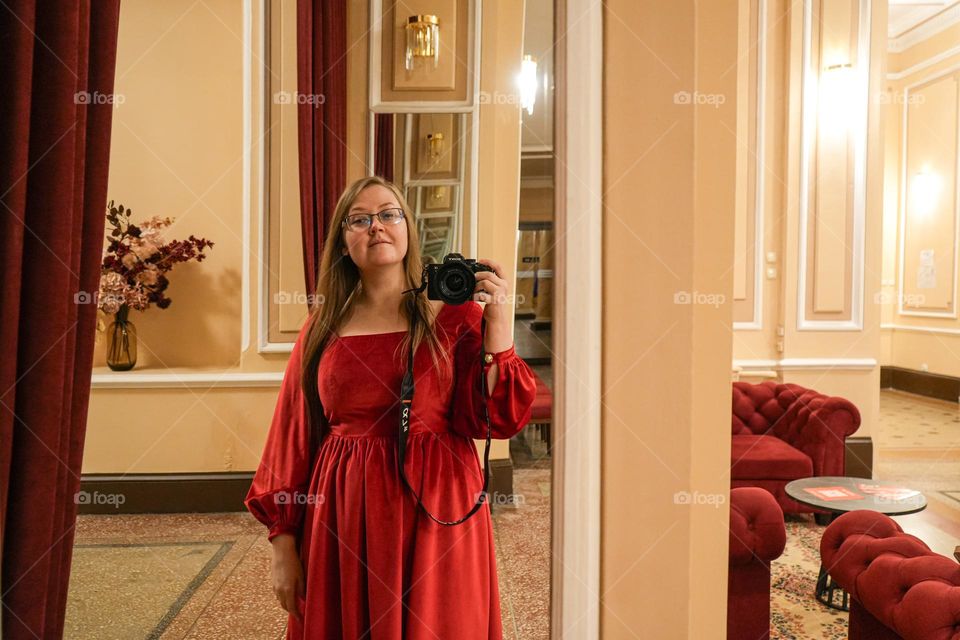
[[830, 593]]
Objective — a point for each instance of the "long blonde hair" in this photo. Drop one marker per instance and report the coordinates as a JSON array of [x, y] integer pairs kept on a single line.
[[339, 282]]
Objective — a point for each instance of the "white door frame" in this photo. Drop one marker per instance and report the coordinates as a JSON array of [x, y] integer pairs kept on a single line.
[[575, 601]]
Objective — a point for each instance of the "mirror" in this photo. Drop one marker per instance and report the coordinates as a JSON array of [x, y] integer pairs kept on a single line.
[[427, 156]]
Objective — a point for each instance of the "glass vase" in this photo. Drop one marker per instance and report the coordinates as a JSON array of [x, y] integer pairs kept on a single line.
[[122, 341]]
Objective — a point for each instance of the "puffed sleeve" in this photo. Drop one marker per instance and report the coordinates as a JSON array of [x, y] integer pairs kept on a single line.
[[277, 496], [510, 403]]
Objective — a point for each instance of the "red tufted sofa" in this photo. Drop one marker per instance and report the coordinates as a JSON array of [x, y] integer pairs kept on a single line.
[[757, 537], [898, 587], [783, 432]]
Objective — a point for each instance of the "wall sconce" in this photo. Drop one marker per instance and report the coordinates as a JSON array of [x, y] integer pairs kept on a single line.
[[924, 193], [423, 40], [434, 145], [528, 83], [837, 98]]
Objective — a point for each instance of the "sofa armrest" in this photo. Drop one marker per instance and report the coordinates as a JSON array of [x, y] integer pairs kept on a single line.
[[757, 532], [818, 425], [893, 575]]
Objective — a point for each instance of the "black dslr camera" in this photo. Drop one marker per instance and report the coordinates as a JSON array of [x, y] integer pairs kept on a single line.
[[452, 280]]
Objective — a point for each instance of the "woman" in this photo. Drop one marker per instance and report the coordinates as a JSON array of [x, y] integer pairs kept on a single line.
[[353, 554]]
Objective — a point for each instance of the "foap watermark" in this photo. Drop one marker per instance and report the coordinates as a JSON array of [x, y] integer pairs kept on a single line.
[[696, 498], [900, 97], [95, 97], [295, 97], [695, 97], [298, 497], [499, 97], [905, 299], [86, 297], [698, 297], [502, 499], [509, 298], [98, 498], [298, 297]]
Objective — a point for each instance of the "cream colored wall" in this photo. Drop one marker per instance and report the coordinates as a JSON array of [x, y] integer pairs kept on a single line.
[[177, 150], [835, 362], [668, 186], [911, 341], [761, 344]]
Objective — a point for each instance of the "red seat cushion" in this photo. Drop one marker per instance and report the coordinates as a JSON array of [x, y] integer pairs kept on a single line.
[[542, 402], [767, 458]]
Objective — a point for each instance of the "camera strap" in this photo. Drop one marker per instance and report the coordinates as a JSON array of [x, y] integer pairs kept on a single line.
[[406, 410]]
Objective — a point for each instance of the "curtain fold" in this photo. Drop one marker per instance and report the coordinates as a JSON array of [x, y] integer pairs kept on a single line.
[[321, 121], [57, 72], [383, 145]]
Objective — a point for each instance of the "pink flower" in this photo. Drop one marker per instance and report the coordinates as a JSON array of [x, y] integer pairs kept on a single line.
[[148, 276], [144, 249]]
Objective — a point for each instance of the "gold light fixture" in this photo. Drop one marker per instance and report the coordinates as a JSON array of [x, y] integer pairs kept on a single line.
[[423, 40], [435, 145]]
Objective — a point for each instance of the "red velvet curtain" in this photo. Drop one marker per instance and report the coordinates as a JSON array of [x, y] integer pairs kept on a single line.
[[56, 73], [383, 146], [321, 121]]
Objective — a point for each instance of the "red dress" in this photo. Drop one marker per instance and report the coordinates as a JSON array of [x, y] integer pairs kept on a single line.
[[375, 566]]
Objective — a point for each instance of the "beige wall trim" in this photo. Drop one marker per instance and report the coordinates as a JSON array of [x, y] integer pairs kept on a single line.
[[927, 29], [923, 64], [808, 114], [248, 54], [746, 367], [138, 380], [943, 331], [264, 345], [952, 313], [759, 263], [575, 597], [473, 51], [537, 150]]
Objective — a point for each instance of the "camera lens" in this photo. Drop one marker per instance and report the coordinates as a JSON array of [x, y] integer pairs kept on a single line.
[[456, 283]]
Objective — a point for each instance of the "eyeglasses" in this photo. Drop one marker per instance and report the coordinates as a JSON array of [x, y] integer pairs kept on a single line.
[[363, 221]]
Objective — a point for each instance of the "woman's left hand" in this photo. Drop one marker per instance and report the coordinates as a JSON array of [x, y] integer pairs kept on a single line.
[[491, 287], [494, 290]]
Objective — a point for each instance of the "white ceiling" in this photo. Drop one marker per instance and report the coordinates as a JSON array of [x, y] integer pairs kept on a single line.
[[907, 14]]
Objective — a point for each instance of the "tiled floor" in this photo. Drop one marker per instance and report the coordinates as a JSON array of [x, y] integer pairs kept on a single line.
[[207, 575], [918, 445], [200, 576]]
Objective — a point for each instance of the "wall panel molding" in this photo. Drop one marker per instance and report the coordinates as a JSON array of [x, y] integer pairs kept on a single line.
[[926, 310], [758, 195], [854, 254]]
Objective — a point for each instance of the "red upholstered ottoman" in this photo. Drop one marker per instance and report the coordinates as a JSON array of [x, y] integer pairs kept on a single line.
[[899, 588], [541, 414], [757, 537]]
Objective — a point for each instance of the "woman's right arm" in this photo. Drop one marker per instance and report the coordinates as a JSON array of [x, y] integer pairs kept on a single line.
[[287, 573], [278, 494]]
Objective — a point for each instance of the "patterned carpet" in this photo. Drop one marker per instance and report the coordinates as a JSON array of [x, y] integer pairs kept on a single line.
[[794, 613]]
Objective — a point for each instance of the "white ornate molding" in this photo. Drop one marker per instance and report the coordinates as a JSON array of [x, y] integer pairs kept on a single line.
[[759, 266], [805, 364], [925, 30], [809, 112], [148, 380]]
